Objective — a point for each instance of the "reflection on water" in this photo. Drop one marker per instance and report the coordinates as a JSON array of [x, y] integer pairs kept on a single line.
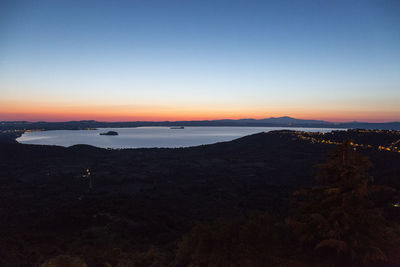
[[148, 136]]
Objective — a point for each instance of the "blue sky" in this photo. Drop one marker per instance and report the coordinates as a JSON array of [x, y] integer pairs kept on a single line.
[[111, 60]]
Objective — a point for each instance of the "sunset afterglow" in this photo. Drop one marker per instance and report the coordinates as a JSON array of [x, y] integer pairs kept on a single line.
[[181, 60]]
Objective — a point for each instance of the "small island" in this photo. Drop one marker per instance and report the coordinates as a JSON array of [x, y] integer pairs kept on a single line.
[[109, 133]]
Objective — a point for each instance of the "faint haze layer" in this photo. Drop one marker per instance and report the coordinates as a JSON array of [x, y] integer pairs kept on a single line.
[[189, 60]]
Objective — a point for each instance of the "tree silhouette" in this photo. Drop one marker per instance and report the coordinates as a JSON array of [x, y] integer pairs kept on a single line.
[[333, 224], [336, 222], [259, 240]]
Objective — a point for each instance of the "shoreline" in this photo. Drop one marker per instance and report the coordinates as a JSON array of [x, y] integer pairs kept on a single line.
[[272, 122]]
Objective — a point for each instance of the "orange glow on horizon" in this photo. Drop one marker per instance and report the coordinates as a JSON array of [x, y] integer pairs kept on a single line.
[[64, 112], [179, 116]]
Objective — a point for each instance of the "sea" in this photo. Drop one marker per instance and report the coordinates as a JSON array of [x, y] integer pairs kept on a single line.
[[149, 137]]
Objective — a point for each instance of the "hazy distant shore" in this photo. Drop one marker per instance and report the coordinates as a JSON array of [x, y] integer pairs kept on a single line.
[[270, 122]]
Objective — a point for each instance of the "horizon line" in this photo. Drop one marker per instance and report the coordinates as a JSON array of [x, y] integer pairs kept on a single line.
[[203, 120]]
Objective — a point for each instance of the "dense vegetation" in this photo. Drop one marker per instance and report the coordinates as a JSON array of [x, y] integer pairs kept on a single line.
[[333, 224], [250, 202]]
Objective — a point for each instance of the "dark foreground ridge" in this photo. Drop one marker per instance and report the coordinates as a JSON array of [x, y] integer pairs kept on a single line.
[[137, 207], [270, 122]]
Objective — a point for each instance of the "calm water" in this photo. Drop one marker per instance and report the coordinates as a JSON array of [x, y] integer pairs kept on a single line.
[[148, 136]]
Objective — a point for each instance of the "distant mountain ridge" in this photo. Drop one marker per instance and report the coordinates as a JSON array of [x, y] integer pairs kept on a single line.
[[284, 121]]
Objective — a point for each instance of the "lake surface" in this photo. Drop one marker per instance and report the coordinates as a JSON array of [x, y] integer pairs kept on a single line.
[[148, 136]]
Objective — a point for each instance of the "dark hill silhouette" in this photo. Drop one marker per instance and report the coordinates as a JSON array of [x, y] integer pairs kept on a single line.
[[289, 120], [145, 199], [268, 122]]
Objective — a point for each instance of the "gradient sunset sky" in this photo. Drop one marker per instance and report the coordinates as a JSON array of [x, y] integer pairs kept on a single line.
[[190, 60]]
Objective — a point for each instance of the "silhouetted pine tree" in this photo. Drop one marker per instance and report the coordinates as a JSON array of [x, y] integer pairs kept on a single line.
[[337, 223]]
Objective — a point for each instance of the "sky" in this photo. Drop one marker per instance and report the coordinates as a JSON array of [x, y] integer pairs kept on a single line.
[[193, 60]]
